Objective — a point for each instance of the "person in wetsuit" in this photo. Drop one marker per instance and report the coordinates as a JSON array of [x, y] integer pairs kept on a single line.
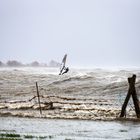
[[66, 69]]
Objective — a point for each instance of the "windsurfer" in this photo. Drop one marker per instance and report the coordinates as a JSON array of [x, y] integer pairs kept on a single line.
[[66, 69], [63, 68]]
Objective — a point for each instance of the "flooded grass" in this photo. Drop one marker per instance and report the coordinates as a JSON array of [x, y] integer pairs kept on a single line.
[[41, 129], [9, 139], [123, 131], [29, 136], [42, 137], [10, 136]]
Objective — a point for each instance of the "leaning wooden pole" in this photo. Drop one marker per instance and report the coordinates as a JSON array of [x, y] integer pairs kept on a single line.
[[38, 98], [123, 111], [134, 96], [131, 91]]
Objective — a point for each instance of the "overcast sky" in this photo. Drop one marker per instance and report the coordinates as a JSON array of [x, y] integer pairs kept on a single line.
[[94, 33]]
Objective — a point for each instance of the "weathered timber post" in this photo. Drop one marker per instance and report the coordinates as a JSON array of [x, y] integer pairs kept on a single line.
[[134, 96], [131, 91], [38, 98]]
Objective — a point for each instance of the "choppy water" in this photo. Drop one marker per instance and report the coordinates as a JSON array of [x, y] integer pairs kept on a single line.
[[103, 89], [78, 82], [71, 129]]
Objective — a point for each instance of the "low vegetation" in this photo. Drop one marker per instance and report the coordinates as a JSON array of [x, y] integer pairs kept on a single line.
[[13, 136]]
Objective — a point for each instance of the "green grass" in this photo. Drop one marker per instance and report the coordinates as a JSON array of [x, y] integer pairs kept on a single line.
[[123, 131], [136, 139], [50, 137], [13, 135], [42, 137], [29, 136], [10, 139], [10, 136]]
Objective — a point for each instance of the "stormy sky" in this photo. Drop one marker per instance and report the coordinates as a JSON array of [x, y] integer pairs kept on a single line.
[[94, 33]]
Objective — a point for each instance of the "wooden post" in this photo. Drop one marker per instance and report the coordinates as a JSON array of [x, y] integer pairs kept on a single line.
[[131, 91], [123, 111], [134, 96], [38, 98]]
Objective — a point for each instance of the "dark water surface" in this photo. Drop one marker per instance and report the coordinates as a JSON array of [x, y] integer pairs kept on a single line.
[[71, 129]]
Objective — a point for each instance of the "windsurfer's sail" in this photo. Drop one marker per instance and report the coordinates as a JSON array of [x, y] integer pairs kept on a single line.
[[64, 60], [62, 67]]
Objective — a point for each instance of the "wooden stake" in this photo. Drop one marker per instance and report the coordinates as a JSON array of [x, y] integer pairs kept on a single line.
[[131, 91], [38, 98], [134, 96]]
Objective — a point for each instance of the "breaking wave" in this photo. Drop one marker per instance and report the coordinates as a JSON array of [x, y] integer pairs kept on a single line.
[[84, 94], [21, 81]]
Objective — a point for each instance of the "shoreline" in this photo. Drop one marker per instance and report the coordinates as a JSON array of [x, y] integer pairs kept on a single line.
[[21, 114], [75, 119]]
